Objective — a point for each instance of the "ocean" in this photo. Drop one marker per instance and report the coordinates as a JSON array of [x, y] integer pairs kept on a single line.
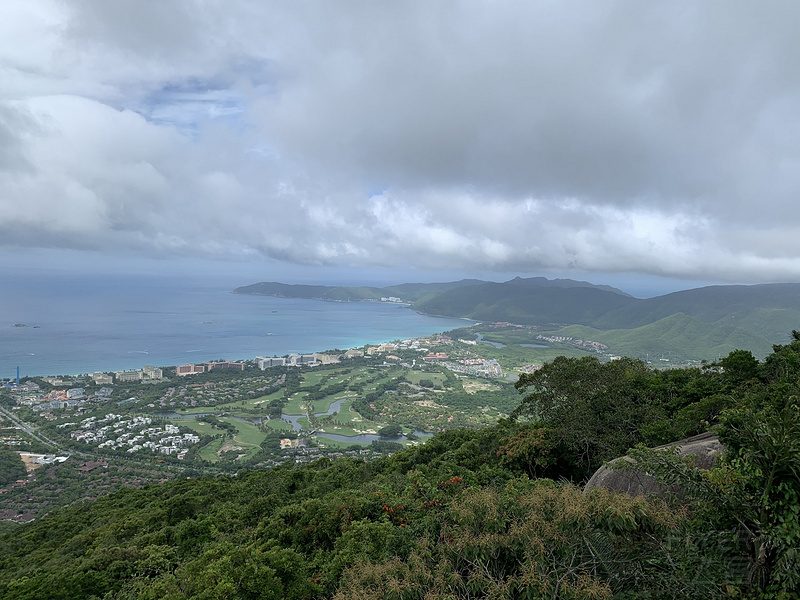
[[69, 325]]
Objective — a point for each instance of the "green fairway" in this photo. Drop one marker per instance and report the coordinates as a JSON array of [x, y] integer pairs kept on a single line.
[[197, 424], [313, 377], [404, 405], [326, 443], [296, 404], [249, 434], [197, 410], [278, 425], [332, 376], [323, 405], [339, 430], [371, 387], [415, 377], [209, 452], [261, 400]]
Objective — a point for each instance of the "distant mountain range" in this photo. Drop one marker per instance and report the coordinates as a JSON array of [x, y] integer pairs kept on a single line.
[[408, 292], [693, 323]]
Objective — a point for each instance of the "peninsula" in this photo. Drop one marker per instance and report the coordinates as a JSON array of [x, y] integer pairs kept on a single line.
[[699, 324]]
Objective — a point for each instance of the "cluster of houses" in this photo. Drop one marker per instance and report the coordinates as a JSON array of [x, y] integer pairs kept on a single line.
[[478, 367], [299, 453], [316, 358], [585, 344], [320, 358], [57, 399], [132, 435], [420, 345], [147, 373]]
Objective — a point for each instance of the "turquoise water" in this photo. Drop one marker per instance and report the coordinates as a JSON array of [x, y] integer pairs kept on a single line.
[[83, 324]]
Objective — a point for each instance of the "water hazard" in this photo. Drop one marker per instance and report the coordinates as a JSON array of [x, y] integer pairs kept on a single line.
[[294, 421]]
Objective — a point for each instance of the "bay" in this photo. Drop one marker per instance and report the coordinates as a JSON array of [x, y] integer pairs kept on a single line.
[[83, 323]]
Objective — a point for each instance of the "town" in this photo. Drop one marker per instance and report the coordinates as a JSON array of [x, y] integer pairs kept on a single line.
[[157, 422]]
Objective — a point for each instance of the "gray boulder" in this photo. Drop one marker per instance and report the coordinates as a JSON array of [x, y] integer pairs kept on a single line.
[[705, 450]]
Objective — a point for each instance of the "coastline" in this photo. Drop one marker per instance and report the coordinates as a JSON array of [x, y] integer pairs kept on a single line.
[[139, 364], [103, 324]]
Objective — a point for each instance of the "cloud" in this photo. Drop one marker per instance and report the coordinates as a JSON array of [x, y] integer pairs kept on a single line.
[[611, 137]]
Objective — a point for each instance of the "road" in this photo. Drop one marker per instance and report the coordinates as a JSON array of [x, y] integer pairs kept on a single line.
[[29, 429]]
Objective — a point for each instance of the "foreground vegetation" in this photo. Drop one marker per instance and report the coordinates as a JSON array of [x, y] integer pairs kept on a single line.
[[489, 513]]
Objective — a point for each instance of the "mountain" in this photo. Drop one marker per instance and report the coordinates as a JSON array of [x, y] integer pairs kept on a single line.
[[755, 313], [413, 292], [712, 304], [408, 292], [676, 339], [691, 324], [528, 302], [534, 282], [314, 292], [417, 291]]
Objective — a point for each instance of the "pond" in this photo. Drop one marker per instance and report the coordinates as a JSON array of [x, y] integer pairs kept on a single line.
[[293, 420], [480, 340], [363, 438]]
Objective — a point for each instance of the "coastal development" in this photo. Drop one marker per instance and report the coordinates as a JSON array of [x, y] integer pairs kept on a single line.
[[156, 422]]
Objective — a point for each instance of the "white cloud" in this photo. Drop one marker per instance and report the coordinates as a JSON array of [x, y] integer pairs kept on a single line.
[[620, 136]]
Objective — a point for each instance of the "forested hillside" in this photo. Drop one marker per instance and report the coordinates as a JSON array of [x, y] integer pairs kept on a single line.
[[494, 513], [526, 304], [699, 324], [408, 292]]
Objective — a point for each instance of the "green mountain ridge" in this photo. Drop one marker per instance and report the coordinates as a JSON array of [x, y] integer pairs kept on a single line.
[[313, 292], [408, 292], [710, 304], [696, 324], [526, 305], [675, 338]]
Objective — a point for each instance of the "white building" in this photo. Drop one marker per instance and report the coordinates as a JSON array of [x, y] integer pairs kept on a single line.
[[128, 376], [265, 363]]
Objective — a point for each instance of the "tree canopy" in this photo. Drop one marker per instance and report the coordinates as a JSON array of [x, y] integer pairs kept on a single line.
[[494, 513], [11, 467]]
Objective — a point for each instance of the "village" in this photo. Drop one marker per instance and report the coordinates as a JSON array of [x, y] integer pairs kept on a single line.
[[148, 424], [133, 435]]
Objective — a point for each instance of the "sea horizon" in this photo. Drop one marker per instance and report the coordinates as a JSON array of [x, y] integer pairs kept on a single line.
[[82, 324]]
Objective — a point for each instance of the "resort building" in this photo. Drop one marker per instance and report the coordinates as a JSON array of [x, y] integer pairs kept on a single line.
[[265, 363], [150, 372], [121, 376], [189, 369], [326, 359], [224, 364], [102, 379]]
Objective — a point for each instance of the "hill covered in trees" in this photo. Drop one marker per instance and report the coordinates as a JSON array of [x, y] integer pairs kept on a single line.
[[494, 513], [703, 323], [408, 292]]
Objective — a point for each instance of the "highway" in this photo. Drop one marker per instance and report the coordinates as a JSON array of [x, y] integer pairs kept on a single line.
[[28, 428]]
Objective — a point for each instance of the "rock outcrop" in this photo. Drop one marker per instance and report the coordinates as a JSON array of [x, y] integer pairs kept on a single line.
[[705, 449]]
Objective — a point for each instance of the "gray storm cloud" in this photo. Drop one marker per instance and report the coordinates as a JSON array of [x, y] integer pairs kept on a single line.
[[658, 138]]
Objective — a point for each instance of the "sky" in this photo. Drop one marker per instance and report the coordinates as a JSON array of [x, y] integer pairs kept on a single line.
[[649, 145]]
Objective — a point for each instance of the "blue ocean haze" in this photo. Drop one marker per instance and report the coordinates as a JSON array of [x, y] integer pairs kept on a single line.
[[78, 324]]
